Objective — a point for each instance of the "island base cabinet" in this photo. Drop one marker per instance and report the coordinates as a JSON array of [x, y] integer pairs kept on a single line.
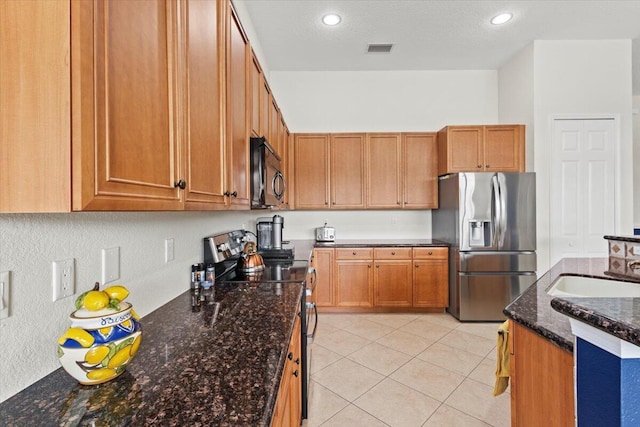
[[542, 391]]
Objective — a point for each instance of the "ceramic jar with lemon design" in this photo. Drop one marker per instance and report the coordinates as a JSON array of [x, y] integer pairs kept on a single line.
[[100, 342]]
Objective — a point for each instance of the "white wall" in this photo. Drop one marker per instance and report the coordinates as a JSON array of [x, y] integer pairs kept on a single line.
[[515, 97], [581, 79], [378, 101]]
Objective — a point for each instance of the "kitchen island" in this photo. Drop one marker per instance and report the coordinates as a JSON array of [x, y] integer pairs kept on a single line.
[[542, 342], [220, 366]]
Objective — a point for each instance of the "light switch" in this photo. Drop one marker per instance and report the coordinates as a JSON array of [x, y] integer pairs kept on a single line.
[[110, 264], [5, 288]]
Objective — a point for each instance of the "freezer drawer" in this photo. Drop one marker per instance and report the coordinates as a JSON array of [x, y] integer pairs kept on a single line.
[[496, 261], [482, 297]]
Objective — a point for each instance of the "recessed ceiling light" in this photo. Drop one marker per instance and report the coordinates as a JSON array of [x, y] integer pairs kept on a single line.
[[502, 18], [331, 19]]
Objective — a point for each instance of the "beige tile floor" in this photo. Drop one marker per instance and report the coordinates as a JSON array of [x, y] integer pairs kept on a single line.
[[423, 370]]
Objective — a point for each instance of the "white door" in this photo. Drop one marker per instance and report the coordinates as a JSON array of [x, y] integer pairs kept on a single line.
[[582, 202]]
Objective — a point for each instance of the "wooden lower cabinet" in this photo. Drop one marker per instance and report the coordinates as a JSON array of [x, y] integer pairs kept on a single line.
[[288, 409], [324, 292], [353, 277], [430, 277], [392, 277], [381, 279], [542, 387]]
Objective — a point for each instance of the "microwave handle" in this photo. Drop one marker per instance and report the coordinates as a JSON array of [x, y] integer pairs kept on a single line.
[[278, 176]]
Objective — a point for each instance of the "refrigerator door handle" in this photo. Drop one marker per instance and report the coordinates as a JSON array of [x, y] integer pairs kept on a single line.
[[503, 208], [496, 213]]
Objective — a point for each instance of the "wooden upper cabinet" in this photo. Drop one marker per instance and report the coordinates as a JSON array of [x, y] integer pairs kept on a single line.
[[311, 171], [256, 87], [420, 170], [125, 141], [384, 171], [265, 105], [504, 148], [35, 120], [347, 166], [238, 103], [205, 162], [275, 124], [496, 148]]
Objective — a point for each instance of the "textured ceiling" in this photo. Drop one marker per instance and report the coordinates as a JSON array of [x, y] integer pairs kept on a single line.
[[430, 34]]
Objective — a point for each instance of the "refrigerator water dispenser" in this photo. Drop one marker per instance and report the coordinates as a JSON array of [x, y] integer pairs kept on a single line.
[[479, 233]]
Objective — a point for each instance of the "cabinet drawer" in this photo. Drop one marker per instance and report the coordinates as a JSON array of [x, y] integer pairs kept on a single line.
[[354, 253], [430, 253], [392, 253]]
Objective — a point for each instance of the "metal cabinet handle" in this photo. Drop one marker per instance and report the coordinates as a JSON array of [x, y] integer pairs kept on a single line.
[[479, 166], [290, 356], [393, 253], [354, 253], [180, 184], [487, 166], [417, 265], [297, 361], [430, 253], [296, 373]]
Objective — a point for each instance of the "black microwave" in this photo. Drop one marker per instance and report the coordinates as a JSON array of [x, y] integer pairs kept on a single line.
[[267, 181]]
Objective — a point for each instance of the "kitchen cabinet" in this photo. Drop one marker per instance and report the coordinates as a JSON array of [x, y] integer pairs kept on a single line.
[[430, 277], [102, 135], [353, 277], [384, 171], [402, 278], [542, 384], [288, 408], [238, 118], [488, 148], [392, 277], [347, 171], [205, 139], [311, 171], [256, 90], [125, 123], [420, 170], [324, 292], [273, 135]]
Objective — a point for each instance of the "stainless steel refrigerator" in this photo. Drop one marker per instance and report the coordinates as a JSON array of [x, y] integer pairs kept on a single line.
[[489, 219]]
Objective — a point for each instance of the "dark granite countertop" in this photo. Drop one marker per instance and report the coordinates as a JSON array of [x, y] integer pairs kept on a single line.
[[547, 316], [380, 243], [191, 369], [634, 239]]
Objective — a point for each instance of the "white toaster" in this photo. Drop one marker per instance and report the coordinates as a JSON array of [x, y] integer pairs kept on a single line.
[[325, 234]]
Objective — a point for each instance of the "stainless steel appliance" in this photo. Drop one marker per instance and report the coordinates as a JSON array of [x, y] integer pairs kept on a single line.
[[269, 232], [280, 269], [325, 233], [267, 181], [489, 220]]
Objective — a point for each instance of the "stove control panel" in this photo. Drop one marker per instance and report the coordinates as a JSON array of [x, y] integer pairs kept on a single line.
[[220, 247]]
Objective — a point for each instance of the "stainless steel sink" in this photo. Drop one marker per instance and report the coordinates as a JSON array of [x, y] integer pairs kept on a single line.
[[590, 287]]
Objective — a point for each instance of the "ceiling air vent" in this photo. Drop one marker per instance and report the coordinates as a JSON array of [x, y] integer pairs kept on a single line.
[[379, 48]]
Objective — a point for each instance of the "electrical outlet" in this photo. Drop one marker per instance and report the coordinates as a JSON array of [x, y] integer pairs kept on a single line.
[[169, 254], [110, 264], [63, 275], [5, 288]]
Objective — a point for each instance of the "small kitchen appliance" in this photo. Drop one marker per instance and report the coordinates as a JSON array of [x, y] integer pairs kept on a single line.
[[325, 233], [269, 232]]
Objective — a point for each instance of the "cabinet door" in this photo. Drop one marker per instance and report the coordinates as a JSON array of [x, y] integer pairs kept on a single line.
[[273, 136], [347, 171], [420, 170], [205, 163], [265, 104], [392, 283], [324, 293], [284, 155], [125, 149], [461, 149], [311, 171], [256, 89], [383, 171], [353, 280], [543, 390], [35, 120], [430, 283], [504, 148], [238, 101]]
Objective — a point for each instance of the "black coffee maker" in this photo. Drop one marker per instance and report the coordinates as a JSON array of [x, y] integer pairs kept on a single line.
[[269, 231]]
